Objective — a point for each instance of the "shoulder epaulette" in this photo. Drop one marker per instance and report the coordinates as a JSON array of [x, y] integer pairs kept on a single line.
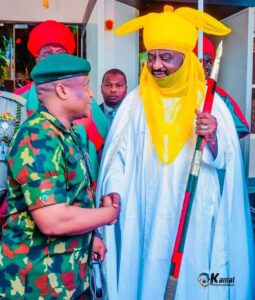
[[13, 97]]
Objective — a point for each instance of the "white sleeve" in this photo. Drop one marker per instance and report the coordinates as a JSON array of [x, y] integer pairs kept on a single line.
[[219, 161], [114, 169], [226, 135], [113, 164]]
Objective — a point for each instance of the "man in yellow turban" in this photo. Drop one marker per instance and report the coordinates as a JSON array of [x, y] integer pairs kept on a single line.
[[147, 159]]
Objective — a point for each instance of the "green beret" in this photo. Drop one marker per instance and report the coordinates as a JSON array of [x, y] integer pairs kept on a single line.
[[59, 66]]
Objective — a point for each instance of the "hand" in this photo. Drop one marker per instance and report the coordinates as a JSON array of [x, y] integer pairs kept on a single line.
[[112, 200], [98, 248], [206, 126], [115, 200], [106, 201]]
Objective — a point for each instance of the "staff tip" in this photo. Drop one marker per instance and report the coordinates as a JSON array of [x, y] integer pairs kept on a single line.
[[219, 50]]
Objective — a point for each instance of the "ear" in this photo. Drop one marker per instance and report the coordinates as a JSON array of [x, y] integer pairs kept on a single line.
[[61, 91], [203, 21]]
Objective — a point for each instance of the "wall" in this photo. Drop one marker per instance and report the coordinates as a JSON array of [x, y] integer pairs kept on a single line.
[[236, 72], [106, 50], [30, 11]]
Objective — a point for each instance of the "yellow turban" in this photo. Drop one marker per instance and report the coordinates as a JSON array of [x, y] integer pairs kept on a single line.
[[183, 90], [173, 29]]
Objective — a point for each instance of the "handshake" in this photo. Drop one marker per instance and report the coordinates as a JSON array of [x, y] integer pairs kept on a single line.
[[112, 203]]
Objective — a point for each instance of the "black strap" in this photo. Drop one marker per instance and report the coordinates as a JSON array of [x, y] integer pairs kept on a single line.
[[18, 118]]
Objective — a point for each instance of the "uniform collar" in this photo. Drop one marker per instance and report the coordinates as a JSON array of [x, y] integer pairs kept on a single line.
[[44, 111]]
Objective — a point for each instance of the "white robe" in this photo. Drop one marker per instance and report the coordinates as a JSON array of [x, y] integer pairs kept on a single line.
[[219, 237]]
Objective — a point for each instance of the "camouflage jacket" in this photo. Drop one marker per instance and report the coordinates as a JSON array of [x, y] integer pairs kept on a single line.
[[92, 130], [46, 167]]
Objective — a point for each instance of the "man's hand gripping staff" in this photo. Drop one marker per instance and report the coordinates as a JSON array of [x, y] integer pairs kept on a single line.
[[206, 128]]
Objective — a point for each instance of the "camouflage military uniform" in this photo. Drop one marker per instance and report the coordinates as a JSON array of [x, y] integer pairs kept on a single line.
[[92, 130], [46, 167]]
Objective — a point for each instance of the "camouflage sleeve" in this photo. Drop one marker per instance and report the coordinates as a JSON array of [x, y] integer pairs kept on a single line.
[[37, 166]]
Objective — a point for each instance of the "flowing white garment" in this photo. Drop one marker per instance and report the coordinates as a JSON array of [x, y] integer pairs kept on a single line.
[[140, 245]]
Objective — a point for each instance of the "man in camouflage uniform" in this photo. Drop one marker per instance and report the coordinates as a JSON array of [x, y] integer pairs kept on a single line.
[[12, 114], [51, 37], [51, 215]]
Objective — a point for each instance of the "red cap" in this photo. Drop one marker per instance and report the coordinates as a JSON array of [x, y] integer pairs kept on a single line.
[[208, 48], [50, 32]]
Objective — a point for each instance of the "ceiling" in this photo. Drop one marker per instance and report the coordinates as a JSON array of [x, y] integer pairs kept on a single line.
[[79, 14], [245, 3], [218, 8]]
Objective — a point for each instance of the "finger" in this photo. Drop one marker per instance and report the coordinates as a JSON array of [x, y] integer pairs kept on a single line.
[[94, 255], [113, 222], [197, 112], [102, 252], [115, 196], [207, 117], [203, 119], [106, 200], [105, 197], [204, 114], [201, 132], [115, 200]]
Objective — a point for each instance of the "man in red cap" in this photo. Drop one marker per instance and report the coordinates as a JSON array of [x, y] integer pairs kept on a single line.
[[50, 33], [242, 126], [50, 37]]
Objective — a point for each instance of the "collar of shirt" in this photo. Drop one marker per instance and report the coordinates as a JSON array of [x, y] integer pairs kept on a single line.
[[44, 111], [109, 110]]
